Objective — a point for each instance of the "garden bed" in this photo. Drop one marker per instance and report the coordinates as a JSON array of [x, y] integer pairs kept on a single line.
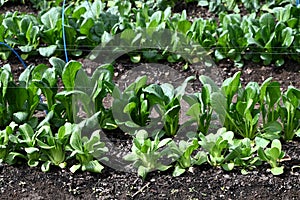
[[20, 181]]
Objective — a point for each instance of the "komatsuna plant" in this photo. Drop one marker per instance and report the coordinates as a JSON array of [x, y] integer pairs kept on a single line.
[[131, 107], [53, 146], [290, 113], [242, 154], [147, 154], [25, 147], [200, 108], [217, 145], [6, 146], [88, 151], [182, 153], [168, 101], [22, 31], [272, 155]]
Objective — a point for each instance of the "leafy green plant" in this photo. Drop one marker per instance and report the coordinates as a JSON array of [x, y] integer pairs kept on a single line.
[[23, 31], [67, 98], [98, 87], [182, 153], [200, 108], [146, 154], [231, 41], [88, 151], [51, 27], [267, 35], [241, 153], [236, 105], [53, 146], [247, 115], [25, 146], [269, 98], [272, 155], [290, 113], [134, 106], [204, 31], [5, 143], [6, 78], [217, 145], [168, 100]]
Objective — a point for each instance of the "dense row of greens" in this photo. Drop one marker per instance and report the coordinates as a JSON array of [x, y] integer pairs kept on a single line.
[[270, 36], [61, 134]]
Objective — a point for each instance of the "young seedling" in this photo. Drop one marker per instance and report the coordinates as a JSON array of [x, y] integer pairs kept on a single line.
[[87, 151], [290, 113], [146, 154], [241, 153], [217, 146], [54, 146], [183, 155], [272, 156]]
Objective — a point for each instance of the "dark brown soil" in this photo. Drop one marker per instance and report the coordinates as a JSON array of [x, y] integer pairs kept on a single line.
[[205, 182]]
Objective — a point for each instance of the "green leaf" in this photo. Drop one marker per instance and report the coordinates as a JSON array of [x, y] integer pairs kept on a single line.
[[12, 157], [267, 19], [58, 64], [69, 74], [30, 150], [155, 90], [274, 153], [20, 117], [27, 134], [75, 141], [74, 168], [288, 37], [178, 171], [50, 18], [218, 102], [47, 51], [184, 26], [261, 142], [194, 111], [86, 26], [142, 171], [164, 142], [46, 166], [131, 157], [276, 144], [277, 170], [205, 80], [262, 154], [228, 166], [93, 166], [44, 145]]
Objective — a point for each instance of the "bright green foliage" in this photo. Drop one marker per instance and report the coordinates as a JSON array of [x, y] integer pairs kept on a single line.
[[22, 31], [25, 146], [217, 146], [146, 154], [168, 100], [290, 113], [241, 154], [131, 108], [54, 146], [272, 156], [182, 153], [200, 108], [87, 151], [5, 143]]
